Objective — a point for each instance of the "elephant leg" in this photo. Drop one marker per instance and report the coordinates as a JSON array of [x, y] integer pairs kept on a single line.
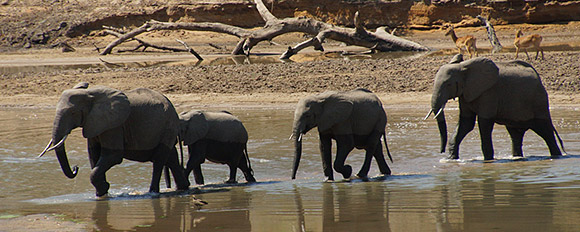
[[94, 149], [364, 170], [248, 173], [156, 176], [177, 170], [197, 153], [465, 125], [233, 172], [517, 136], [370, 151], [326, 154], [381, 162], [485, 130], [545, 129], [108, 159], [344, 145]]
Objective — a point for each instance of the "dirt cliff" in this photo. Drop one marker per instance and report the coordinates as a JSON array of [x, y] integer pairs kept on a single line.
[[33, 23]]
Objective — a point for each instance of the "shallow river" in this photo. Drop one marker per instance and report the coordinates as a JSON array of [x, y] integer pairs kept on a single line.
[[424, 193]]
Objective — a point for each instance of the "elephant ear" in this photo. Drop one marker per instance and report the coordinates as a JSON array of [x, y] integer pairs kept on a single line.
[[194, 127], [336, 109], [456, 59], [81, 85], [110, 109], [480, 74]]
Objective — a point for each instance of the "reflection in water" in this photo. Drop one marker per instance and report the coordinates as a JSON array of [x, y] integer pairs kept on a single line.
[[174, 214], [424, 194]]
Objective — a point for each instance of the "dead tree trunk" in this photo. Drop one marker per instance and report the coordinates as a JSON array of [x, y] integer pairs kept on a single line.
[[496, 46], [379, 40]]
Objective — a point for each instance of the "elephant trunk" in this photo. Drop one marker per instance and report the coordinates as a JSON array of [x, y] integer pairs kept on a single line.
[[297, 154], [60, 133], [438, 101], [442, 125], [64, 164]]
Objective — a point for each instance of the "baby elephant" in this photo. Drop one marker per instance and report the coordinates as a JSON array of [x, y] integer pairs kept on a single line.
[[219, 137]]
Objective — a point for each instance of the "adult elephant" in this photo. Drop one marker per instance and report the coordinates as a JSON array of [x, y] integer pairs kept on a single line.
[[219, 137], [139, 125], [354, 119], [508, 93]]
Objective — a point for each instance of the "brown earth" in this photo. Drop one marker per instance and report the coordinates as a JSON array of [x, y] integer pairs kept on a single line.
[[284, 82]]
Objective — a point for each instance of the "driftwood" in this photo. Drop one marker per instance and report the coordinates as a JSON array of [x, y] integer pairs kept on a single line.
[[142, 44], [496, 46], [379, 40]]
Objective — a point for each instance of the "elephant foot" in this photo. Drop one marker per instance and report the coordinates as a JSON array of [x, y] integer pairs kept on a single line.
[[329, 180], [363, 178], [231, 182], [347, 171], [555, 156], [488, 158], [103, 197], [251, 179], [102, 190], [453, 157], [183, 188]]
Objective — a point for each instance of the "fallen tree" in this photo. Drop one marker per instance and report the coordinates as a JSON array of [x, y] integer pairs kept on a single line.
[[379, 40]]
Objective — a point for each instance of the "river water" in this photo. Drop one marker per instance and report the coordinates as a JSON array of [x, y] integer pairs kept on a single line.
[[423, 194]]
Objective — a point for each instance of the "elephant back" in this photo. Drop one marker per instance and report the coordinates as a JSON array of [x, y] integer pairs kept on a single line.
[[225, 127], [153, 120], [523, 96], [368, 113]]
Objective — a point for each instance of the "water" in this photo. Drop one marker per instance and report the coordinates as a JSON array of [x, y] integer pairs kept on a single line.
[[424, 194]]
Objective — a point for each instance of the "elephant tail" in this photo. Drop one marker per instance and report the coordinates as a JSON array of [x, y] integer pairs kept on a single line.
[[248, 159], [561, 143], [387, 147]]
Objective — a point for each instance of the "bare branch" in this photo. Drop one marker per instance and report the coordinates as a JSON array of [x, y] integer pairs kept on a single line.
[[264, 12], [190, 49]]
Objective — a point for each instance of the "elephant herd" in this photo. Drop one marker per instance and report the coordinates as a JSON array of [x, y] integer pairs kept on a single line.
[[142, 125]]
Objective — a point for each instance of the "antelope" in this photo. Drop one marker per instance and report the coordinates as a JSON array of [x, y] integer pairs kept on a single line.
[[467, 42], [526, 42]]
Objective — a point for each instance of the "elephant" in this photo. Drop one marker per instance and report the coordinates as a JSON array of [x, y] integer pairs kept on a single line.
[[219, 137], [507, 93], [354, 119], [140, 125]]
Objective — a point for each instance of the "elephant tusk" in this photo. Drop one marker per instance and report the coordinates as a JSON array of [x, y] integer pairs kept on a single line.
[[300, 137], [428, 114], [291, 136], [438, 112], [53, 147], [45, 149]]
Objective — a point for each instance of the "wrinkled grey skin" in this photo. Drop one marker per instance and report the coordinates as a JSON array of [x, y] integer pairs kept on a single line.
[[219, 137], [509, 94], [139, 125], [355, 119]]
